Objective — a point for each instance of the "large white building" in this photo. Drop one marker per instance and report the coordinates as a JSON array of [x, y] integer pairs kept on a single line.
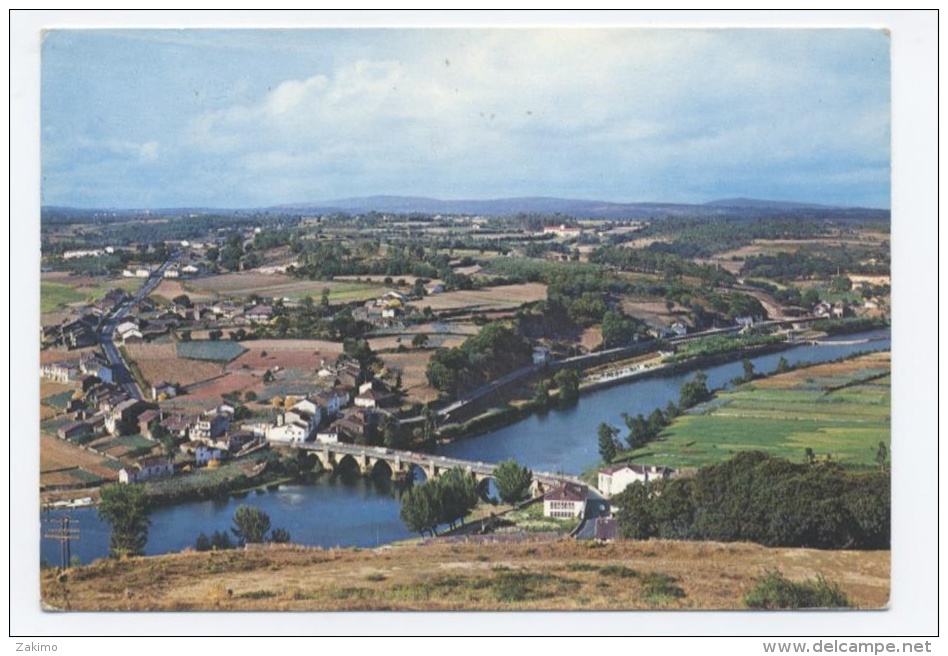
[[565, 502], [615, 479]]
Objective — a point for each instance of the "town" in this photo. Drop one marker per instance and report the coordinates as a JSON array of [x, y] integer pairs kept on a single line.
[[224, 358]]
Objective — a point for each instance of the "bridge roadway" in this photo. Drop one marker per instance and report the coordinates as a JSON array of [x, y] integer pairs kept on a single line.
[[401, 463]]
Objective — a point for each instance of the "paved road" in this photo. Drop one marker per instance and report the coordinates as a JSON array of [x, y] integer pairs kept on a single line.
[[122, 375]]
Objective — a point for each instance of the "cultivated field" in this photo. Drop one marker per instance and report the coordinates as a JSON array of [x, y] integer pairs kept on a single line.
[[412, 365], [554, 575], [57, 290], [282, 286], [840, 410], [57, 454], [169, 289], [159, 362], [507, 297], [654, 313], [305, 354]]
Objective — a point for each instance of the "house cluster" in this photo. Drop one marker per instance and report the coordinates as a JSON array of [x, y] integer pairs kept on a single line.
[[328, 417], [571, 500], [209, 438], [676, 329], [102, 407], [88, 369], [382, 311], [832, 310], [562, 230]]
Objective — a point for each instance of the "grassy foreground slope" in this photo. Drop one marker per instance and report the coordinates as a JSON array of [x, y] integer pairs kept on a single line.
[[555, 575], [840, 410]]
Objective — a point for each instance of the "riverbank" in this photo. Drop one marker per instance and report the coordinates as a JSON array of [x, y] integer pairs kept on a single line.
[[515, 411]]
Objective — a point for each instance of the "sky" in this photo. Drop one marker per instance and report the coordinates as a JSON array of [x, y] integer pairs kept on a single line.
[[256, 118]]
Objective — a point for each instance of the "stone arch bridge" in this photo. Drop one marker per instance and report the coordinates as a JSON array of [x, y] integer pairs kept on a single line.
[[401, 463]]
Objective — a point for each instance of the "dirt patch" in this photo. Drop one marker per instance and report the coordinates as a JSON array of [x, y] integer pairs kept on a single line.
[[841, 370], [170, 289], [302, 354], [232, 381], [489, 298], [60, 454], [654, 313], [49, 356], [278, 285], [159, 362], [412, 365]]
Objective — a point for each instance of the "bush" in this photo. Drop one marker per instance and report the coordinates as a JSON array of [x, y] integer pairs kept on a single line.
[[774, 591]]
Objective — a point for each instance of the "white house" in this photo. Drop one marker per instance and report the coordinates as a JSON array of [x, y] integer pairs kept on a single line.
[[61, 372], [327, 437], [296, 424], [172, 272], [147, 469], [289, 433], [141, 272], [566, 501], [614, 479], [679, 328], [541, 355], [204, 454]]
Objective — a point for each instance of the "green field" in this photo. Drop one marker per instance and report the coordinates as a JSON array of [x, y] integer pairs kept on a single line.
[[220, 351], [57, 295], [840, 412]]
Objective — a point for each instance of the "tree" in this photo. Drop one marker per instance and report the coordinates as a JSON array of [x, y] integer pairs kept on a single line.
[[420, 509], [782, 365], [607, 442], [324, 298], [419, 341], [280, 536], [389, 431], [617, 329], [635, 516], [125, 508], [182, 299], [220, 541], [748, 370], [168, 446], [541, 394], [250, 524], [567, 381], [882, 454], [457, 494], [215, 335], [185, 335], [513, 481], [694, 391]]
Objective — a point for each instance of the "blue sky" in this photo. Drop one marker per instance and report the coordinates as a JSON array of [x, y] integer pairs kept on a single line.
[[251, 118]]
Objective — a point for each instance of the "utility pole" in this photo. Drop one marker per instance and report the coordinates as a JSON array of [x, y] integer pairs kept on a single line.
[[67, 531]]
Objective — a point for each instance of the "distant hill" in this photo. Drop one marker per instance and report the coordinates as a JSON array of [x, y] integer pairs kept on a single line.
[[756, 203], [732, 208]]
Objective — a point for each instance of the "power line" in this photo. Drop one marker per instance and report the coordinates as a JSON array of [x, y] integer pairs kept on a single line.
[[66, 531]]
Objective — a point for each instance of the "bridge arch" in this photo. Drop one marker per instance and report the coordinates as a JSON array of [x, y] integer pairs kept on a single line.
[[381, 469], [345, 464], [487, 488]]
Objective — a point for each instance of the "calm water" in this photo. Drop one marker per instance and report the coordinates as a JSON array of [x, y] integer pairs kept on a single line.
[[342, 511]]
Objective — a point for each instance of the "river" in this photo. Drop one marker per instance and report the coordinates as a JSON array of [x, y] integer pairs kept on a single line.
[[340, 511]]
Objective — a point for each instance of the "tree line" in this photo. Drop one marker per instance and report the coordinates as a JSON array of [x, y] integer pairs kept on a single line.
[[758, 498]]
